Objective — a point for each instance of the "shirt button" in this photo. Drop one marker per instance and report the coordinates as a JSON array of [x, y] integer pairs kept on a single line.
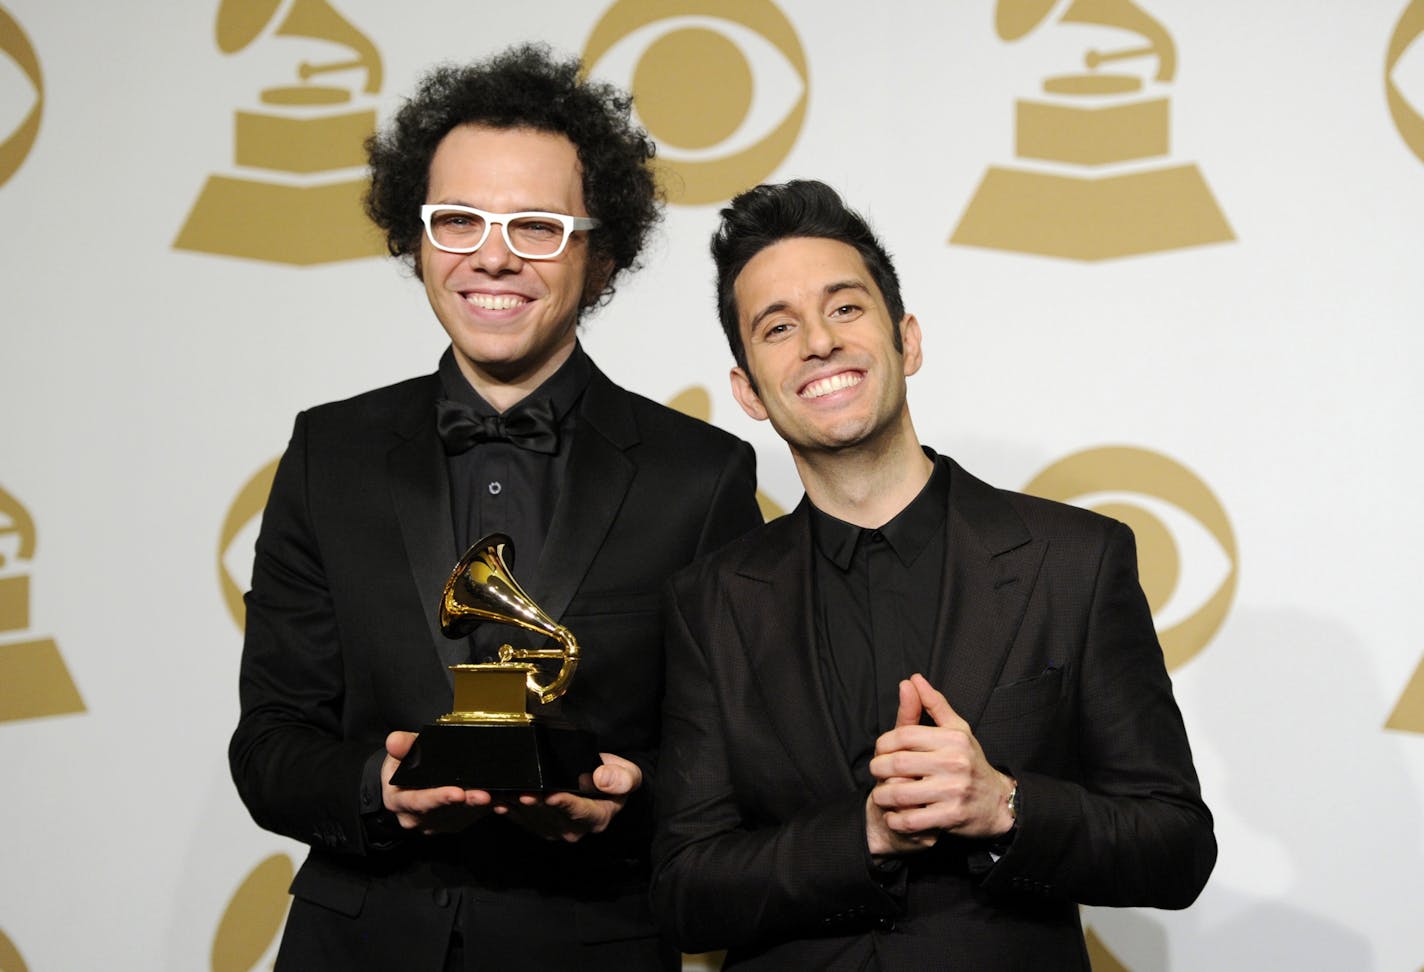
[[495, 489]]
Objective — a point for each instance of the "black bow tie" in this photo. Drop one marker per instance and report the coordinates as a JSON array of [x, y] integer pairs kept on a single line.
[[531, 427]]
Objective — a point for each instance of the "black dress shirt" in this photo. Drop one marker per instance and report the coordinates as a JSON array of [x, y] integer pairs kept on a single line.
[[877, 593], [499, 487]]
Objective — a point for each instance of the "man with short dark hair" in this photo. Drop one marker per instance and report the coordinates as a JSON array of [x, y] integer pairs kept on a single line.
[[518, 192], [918, 721]]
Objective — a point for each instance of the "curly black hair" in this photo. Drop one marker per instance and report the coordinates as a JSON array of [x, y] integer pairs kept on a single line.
[[522, 87], [767, 214]]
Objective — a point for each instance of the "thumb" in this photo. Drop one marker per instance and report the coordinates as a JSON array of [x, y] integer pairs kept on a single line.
[[910, 706], [935, 704], [398, 744], [617, 776]]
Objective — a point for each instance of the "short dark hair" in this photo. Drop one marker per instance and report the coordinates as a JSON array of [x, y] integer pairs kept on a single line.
[[768, 214], [522, 87]]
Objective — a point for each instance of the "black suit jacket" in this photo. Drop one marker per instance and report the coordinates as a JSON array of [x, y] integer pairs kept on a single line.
[[343, 646], [1044, 644]]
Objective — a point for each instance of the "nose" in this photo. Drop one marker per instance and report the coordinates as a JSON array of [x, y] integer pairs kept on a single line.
[[494, 255], [818, 337]]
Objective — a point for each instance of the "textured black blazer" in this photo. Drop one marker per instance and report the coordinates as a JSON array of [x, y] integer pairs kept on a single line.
[[343, 646], [1044, 643]]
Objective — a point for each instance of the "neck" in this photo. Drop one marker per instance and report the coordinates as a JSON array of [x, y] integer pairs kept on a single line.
[[506, 389], [869, 483]]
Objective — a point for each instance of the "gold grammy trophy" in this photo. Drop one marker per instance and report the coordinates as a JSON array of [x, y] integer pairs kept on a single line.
[[302, 204], [1090, 120], [490, 741]]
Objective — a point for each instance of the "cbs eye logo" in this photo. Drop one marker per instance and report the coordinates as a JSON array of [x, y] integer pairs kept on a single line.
[[10, 958], [17, 132], [721, 87], [1407, 118], [254, 917], [239, 534], [1177, 521]]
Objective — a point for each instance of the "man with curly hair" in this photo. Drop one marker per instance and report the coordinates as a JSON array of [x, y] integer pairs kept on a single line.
[[518, 192]]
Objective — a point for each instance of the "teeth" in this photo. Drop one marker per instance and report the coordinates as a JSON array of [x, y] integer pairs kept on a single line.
[[493, 302], [832, 384]]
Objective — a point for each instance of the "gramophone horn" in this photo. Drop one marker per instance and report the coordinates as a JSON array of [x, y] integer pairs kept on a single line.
[[481, 588]]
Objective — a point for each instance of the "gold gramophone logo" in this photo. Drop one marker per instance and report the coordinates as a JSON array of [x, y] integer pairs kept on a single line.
[[1408, 714], [16, 145], [301, 154], [1186, 549], [34, 681], [1092, 183], [1407, 117], [722, 87], [239, 532]]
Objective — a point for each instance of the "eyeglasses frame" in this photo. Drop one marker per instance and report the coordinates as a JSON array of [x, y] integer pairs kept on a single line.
[[569, 223]]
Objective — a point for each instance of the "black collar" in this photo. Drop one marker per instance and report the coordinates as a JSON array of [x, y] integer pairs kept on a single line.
[[907, 532]]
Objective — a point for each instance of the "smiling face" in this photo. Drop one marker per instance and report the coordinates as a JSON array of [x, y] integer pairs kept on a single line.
[[512, 321], [821, 348]]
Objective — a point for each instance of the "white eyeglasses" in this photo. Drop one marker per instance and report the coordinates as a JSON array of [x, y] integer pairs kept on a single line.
[[531, 236]]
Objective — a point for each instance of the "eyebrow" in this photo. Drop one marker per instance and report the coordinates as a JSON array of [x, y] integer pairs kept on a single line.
[[522, 209], [831, 288]]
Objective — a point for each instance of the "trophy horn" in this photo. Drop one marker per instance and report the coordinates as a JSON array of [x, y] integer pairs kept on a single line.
[[481, 588]]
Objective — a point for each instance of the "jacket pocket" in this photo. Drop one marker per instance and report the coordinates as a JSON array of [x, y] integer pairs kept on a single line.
[[1018, 699], [614, 602], [340, 891]]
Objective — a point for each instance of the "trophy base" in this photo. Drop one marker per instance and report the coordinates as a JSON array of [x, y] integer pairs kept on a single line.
[[534, 757]]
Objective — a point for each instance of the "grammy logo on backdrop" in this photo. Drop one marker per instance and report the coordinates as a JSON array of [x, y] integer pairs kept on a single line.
[[34, 680], [1085, 121], [1408, 714], [300, 202]]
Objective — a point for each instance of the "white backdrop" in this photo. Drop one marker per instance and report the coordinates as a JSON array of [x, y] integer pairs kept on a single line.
[[1268, 373]]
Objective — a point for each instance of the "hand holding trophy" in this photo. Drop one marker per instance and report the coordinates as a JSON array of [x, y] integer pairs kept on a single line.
[[490, 741]]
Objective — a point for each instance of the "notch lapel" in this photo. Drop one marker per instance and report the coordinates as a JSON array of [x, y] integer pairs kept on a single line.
[[420, 493], [595, 484], [992, 565]]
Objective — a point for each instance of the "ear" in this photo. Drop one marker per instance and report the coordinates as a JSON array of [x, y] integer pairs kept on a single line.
[[746, 396], [910, 342]]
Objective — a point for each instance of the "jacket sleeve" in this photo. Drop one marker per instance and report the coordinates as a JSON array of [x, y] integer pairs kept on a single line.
[[731, 511], [294, 768], [722, 879], [1127, 827]]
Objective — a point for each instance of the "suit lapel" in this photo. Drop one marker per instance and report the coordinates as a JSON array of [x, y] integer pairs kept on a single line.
[[991, 566], [595, 484], [420, 492], [775, 617]]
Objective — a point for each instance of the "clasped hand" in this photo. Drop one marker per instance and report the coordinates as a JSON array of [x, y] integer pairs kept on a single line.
[[554, 816], [931, 779]]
